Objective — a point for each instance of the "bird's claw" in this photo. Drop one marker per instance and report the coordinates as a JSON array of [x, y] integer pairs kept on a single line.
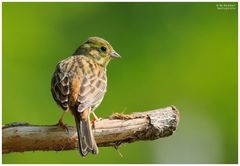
[[74, 137], [62, 125], [98, 119], [94, 121]]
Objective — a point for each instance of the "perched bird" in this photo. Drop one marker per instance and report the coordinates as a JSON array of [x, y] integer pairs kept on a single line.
[[79, 84]]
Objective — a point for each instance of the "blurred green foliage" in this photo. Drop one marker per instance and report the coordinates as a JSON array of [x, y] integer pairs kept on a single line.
[[183, 54]]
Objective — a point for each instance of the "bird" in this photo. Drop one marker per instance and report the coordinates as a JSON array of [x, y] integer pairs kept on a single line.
[[79, 84]]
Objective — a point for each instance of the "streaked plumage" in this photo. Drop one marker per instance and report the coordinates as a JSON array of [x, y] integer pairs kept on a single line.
[[79, 84]]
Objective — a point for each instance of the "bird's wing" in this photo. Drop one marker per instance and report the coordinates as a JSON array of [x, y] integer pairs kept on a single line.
[[92, 90], [60, 87]]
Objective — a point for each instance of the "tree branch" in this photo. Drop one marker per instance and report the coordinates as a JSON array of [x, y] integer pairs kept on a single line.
[[113, 131]]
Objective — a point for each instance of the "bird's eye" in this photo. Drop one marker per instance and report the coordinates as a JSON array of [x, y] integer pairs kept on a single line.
[[104, 49]]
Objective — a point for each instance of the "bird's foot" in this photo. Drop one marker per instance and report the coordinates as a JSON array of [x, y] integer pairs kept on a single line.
[[62, 125], [74, 137], [94, 121], [98, 119]]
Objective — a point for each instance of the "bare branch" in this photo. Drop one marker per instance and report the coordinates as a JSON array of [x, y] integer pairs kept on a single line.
[[113, 131]]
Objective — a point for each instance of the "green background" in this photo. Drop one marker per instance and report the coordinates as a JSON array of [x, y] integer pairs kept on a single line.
[[182, 54]]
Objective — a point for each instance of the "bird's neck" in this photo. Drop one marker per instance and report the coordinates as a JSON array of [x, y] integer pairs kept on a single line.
[[81, 51]]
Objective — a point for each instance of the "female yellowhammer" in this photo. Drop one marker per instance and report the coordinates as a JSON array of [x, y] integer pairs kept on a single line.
[[79, 84]]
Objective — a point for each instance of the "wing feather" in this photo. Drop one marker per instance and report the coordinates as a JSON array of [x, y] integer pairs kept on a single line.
[[60, 87], [92, 91]]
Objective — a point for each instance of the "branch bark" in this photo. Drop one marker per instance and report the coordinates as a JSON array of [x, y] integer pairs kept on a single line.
[[113, 131]]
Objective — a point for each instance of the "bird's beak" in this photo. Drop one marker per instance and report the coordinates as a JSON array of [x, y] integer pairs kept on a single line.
[[114, 54]]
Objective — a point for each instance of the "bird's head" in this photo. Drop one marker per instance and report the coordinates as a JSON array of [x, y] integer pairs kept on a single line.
[[98, 49]]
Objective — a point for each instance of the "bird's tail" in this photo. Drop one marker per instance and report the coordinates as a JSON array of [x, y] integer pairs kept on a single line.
[[85, 136]]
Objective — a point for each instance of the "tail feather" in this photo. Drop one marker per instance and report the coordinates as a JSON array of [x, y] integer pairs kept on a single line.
[[85, 136]]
